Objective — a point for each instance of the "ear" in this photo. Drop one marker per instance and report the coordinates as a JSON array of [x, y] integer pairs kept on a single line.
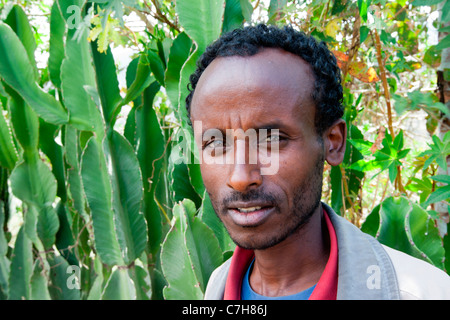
[[335, 139]]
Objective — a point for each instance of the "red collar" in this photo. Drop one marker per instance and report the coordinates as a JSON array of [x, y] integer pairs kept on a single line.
[[326, 288]]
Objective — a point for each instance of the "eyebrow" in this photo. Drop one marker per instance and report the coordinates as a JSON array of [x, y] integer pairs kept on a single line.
[[268, 126]]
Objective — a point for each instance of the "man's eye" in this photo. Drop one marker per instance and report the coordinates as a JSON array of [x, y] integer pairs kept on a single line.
[[273, 138], [215, 144]]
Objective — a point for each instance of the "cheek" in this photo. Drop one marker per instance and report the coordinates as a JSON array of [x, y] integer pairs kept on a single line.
[[296, 167], [213, 177]]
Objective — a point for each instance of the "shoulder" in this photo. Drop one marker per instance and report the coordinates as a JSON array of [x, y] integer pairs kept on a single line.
[[216, 283], [418, 279]]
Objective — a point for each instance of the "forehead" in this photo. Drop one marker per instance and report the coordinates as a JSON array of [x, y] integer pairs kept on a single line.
[[271, 84]]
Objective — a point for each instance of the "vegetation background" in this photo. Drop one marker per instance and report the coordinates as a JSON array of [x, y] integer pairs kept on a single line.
[[100, 195]]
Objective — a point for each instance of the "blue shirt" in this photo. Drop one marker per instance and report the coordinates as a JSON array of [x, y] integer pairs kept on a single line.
[[247, 292]]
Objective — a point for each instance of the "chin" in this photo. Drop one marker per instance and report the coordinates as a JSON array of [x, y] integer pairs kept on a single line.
[[254, 239]]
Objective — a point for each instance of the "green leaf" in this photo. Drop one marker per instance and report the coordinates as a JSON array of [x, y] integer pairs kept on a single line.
[[204, 250], [150, 152], [438, 151], [398, 141], [65, 239], [39, 283], [233, 16], [97, 186], [445, 12], [189, 254], [441, 178], [24, 122], [96, 288], [76, 73], [364, 166], [69, 13], [54, 151], [441, 194], [18, 21], [113, 186], [363, 32], [119, 286], [418, 3], [21, 268], [403, 153], [180, 184], [392, 172], [18, 72], [444, 43], [8, 152], [72, 151], [362, 145], [210, 218], [33, 183], [363, 5], [56, 45], [4, 261], [425, 235], [179, 53], [338, 7], [127, 194], [63, 285], [177, 268], [156, 65], [405, 226], [188, 68], [446, 242], [372, 222], [142, 282], [143, 80], [424, 186], [247, 10], [107, 84], [201, 19]]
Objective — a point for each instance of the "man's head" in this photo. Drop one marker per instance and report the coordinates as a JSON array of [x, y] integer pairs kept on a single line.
[[327, 90], [264, 78]]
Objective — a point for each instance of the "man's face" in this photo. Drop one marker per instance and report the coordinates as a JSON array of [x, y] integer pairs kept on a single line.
[[270, 90]]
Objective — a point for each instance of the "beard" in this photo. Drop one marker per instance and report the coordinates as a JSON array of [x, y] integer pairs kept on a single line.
[[306, 200]]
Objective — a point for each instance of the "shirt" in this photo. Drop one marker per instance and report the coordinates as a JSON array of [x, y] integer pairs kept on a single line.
[[247, 292]]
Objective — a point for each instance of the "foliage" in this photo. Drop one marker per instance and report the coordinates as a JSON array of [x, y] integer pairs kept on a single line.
[[103, 179]]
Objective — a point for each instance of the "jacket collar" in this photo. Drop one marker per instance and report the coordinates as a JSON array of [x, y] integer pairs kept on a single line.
[[365, 269]]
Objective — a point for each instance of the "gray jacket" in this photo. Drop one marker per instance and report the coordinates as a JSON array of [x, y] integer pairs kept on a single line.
[[367, 270]]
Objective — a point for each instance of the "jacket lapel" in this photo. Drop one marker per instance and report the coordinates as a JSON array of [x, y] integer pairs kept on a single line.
[[365, 269]]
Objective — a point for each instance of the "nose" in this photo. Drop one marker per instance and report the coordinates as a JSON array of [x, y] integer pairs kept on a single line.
[[243, 178], [244, 175]]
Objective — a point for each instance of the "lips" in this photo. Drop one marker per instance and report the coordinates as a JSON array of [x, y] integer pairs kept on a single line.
[[249, 215]]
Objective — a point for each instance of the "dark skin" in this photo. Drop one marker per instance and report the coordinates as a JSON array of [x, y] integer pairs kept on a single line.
[[278, 215]]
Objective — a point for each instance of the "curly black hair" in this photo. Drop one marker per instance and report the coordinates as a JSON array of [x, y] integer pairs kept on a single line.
[[249, 40]]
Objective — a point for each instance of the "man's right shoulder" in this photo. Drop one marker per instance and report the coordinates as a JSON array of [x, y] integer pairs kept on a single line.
[[418, 279], [216, 284]]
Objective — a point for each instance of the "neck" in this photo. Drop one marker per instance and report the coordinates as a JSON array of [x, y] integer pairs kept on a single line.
[[296, 263]]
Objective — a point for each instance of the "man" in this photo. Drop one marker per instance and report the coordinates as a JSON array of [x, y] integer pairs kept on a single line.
[[284, 87]]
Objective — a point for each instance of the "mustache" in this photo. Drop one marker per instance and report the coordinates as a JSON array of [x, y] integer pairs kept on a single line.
[[252, 195]]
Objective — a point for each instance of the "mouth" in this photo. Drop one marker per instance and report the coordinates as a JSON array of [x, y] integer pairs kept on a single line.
[[250, 216]]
